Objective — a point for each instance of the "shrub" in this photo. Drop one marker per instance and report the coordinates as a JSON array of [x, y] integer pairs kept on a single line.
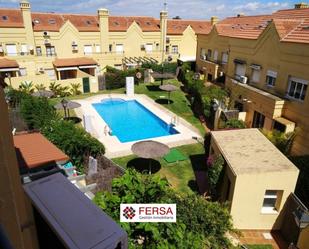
[[215, 169], [37, 112], [26, 87], [200, 223], [40, 87], [58, 90], [75, 88], [15, 96], [167, 67], [73, 140], [209, 94], [235, 123]]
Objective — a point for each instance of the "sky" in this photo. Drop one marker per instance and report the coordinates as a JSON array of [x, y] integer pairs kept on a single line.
[[189, 9]]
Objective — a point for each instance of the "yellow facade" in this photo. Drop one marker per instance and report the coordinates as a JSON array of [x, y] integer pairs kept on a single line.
[[105, 45], [287, 60]]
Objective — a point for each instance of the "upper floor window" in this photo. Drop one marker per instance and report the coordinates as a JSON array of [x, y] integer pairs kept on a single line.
[[11, 49], [24, 49], [240, 69], [119, 48], [167, 49], [209, 52], [23, 71], [203, 54], [38, 50], [148, 47], [297, 88], [175, 49], [225, 57], [271, 77], [97, 48], [87, 49], [215, 55], [272, 200], [50, 51], [256, 73]]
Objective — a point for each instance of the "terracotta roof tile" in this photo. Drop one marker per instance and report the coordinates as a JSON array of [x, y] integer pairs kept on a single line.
[[69, 62], [292, 13], [177, 27], [122, 23], [34, 150], [6, 63], [11, 18], [47, 21]]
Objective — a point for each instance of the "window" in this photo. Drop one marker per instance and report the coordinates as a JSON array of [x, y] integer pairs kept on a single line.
[[271, 77], [97, 48], [5, 18], [87, 49], [50, 73], [209, 54], [24, 49], [240, 70], [119, 48], [297, 88], [175, 49], [272, 200], [50, 51], [110, 47], [225, 57], [52, 21], [22, 72], [203, 54], [11, 49], [167, 49], [215, 55], [258, 120], [118, 66], [38, 51], [148, 47], [255, 76]]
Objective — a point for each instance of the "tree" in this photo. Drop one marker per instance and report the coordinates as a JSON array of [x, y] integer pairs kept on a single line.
[[203, 228], [75, 89], [235, 123], [215, 169], [26, 87], [209, 94], [40, 87]]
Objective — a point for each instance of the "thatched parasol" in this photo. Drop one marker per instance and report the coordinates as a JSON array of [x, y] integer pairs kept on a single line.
[[169, 88], [162, 76], [67, 105], [43, 93], [150, 149]]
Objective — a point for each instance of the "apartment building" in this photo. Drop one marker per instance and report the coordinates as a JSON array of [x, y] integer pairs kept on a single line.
[[54, 46], [263, 61]]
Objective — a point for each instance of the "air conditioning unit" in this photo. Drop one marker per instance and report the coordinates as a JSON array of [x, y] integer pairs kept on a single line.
[[45, 33], [204, 57], [74, 43], [221, 74], [243, 79], [143, 46], [40, 70], [167, 40]]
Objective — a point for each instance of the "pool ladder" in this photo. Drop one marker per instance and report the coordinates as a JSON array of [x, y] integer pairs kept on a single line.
[[174, 121], [107, 130]]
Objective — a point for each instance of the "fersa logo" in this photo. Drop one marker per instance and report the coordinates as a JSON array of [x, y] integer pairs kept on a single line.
[[155, 211], [128, 213]]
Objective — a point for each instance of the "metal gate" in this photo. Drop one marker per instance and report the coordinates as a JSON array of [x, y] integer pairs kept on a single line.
[[101, 82], [86, 85]]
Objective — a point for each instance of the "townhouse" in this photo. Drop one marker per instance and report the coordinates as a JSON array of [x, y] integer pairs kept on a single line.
[[263, 61]]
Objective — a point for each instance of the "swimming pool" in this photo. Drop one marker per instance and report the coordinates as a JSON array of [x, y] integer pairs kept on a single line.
[[131, 121]]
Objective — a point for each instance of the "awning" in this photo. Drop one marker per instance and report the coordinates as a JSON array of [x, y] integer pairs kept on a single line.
[[8, 64], [74, 62], [187, 58], [256, 66], [12, 69], [66, 68], [90, 66], [238, 61], [76, 221]]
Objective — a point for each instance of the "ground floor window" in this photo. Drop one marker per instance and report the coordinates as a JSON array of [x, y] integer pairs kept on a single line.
[[272, 200], [175, 49], [51, 73], [258, 120]]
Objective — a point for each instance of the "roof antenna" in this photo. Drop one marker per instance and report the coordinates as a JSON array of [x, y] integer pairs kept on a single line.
[[165, 6]]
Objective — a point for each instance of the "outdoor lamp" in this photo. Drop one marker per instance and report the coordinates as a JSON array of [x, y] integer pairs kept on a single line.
[[301, 218], [215, 105], [64, 103]]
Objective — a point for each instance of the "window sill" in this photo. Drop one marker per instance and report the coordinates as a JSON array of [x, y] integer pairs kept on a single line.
[[294, 99], [269, 211]]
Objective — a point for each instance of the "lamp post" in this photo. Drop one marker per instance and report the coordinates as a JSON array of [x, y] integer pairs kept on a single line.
[[64, 104]]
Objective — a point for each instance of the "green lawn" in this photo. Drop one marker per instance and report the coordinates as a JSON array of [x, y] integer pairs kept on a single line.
[[179, 174], [259, 246]]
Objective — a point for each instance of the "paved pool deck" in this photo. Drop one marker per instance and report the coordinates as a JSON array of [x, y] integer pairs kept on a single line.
[[114, 148]]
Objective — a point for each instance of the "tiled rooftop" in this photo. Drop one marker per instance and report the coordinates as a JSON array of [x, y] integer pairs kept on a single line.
[[6, 63], [69, 62]]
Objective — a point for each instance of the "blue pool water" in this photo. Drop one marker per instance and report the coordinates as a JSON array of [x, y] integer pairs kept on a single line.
[[131, 121]]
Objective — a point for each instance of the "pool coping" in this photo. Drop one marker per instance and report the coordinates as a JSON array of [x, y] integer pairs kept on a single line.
[[114, 148]]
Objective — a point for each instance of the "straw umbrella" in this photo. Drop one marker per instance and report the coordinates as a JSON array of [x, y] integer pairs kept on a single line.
[[169, 88], [67, 105], [43, 93], [150, 149], [162, 76]]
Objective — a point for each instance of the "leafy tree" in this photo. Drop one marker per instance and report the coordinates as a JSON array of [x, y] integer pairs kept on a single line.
[[215, 169], [58, 90], [202, 228], [209, 94], [73, 140], [235, 123], [75, 89], [26, 87]]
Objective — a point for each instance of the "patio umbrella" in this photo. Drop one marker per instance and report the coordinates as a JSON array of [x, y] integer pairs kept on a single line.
[[43, 93], [67, 105], [162, 76], [150, 149], [169, 88]]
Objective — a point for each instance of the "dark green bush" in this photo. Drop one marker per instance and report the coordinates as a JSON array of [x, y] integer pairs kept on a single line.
[[73, 140], [167, 67], [235, 123]]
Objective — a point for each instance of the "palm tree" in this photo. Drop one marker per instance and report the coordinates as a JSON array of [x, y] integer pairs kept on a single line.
[[26, 87], [75, 89], [40, 87]]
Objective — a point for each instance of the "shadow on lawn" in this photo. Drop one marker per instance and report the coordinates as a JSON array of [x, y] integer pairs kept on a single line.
[[153, 88], [164, 101], [142, 165], [200, 184]]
